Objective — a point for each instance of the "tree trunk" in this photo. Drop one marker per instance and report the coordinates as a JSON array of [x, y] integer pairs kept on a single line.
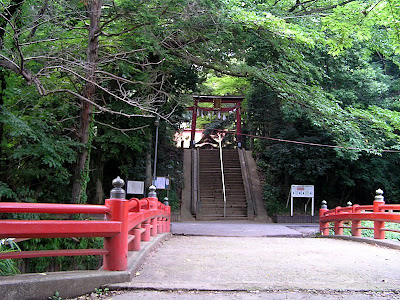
[[80, 176]]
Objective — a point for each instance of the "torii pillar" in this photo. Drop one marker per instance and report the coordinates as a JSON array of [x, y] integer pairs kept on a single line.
[[194, 121], [238, 125], [237, 100]]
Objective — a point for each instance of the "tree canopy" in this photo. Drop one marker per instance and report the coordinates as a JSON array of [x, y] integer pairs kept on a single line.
[[82, 79]]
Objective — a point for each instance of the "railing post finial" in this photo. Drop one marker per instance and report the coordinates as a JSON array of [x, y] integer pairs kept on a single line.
[[166, 202], [379, 226], [118, 192], [152, 193], [379, 196], [324, 204]]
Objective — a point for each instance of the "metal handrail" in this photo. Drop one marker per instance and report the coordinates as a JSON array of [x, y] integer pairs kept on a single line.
[[222, 173]]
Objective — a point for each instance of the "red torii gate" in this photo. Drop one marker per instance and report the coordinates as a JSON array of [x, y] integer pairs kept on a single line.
[[218, 102]]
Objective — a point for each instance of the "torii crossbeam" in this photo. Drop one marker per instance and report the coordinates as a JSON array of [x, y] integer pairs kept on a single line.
[[218, 107]]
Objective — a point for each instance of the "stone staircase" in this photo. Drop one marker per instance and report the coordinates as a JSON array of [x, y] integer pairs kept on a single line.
[[210, 186]]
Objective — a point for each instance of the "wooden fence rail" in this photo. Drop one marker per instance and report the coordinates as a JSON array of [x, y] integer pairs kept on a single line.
[[126, 223], [379, 213]]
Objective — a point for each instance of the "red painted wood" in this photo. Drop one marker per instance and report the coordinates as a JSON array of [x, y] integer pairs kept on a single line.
[[137, 216], [52, 208], [135, 244], [222, 109], [52, 253], [146, 234], [117, 258], [381, 216], [395, 207], [57, 228], [154, 225], [238, 124], [356, 213], [356, 228], [210, 99], [194, 121], [224, 99]]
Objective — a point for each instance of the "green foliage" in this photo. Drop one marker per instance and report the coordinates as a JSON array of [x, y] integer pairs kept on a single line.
[[225, 85], [321, 72], [56, 296], [361, 21], [8, 266], [36, 151], [370, 232], [352, 106], [62, 263], [102, 291], [170, 163]]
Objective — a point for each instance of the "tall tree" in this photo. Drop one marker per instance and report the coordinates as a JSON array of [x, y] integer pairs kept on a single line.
[[45, 44], [94, 10]]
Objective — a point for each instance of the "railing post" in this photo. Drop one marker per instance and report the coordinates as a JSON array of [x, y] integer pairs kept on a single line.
[[117, 258], [338, 227], [146, 234], [159, 225], [135, 244], [167, 221], [323, 226], [167, 209], [168, 229], [379, 233], [355, 224], [153, 231], [152, 196]]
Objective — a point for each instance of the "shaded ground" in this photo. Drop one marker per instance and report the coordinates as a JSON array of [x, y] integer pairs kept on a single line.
[[294, 295], [243, 229], [276, 268], [250, 260]]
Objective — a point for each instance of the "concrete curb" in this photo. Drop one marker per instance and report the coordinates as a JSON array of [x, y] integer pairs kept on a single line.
[[371, 241], [73, 283]]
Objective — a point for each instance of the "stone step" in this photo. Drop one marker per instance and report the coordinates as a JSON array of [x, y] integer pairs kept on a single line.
[[220, 217], [220, 202], [227, 212], [211, 185]]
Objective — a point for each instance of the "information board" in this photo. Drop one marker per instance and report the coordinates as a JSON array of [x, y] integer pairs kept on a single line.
[[302, 191], [135, 187], [162, 183]]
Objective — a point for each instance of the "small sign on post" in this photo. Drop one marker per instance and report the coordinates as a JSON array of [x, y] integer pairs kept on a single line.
[[135, 187], [162, 183], [302, 191]]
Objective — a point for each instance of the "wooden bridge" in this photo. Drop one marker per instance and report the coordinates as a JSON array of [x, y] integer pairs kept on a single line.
[[130, 223], [126, 224]]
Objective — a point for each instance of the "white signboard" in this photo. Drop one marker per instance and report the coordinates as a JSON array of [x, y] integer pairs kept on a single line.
[[302, 191], [135, 187], [162, 183]]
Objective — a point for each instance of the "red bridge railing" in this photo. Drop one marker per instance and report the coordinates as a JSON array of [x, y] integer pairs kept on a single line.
[[126, 223], [379, 213]]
